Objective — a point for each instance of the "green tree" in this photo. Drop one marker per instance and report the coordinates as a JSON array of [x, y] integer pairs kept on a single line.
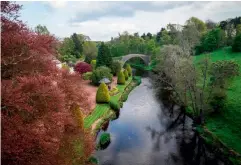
[[66, 50], [238, 29], [121, 78], [199, 24], [102, 95], [100, 73], [78, 46], [90, 51], [116, 67], [41, 30], [236, 47], [104, 57]]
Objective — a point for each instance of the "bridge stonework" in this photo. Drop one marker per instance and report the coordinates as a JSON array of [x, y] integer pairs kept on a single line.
[[145, 58]]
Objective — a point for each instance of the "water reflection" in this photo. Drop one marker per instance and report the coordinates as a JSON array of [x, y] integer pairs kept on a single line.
[[144, 134]]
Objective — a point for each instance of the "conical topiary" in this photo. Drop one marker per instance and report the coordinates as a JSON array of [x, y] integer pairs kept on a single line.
[[126, 74], [102, 95], [128, 68], [121, 78]]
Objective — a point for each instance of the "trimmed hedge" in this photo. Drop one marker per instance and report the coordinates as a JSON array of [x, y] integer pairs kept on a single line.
[[126, 74], [102, 95], [128, 68], [104, 139], [87, 75], [114, 105], [121, 78]]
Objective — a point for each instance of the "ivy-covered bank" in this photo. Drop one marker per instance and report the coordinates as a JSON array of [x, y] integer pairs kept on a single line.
[[105, 112]]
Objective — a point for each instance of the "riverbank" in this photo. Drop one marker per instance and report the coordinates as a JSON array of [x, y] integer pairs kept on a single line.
[[103, 112], [223, 130]]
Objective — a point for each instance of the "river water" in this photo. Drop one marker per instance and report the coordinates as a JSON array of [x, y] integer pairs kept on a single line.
[[139, 136]]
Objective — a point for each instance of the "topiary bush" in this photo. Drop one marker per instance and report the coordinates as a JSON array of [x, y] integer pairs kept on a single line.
[[100, 73], [82, 67], [93, 64], [129, 70], [104, 140], [87, 75], [121, 78], [102, 95], [236, 47], [114, 105], [126, 74]]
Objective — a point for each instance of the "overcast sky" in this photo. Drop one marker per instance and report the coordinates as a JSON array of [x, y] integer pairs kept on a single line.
[[103, 20]]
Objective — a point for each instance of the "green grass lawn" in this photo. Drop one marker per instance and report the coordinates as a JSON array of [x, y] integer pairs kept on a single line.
[[102, 109], [227, 125]]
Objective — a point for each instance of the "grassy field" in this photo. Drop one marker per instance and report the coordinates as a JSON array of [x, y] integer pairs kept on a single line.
[[227, 125], [103, 109]]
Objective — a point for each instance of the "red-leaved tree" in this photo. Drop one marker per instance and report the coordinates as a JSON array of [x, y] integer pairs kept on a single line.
[[82, 67], [36, 97]]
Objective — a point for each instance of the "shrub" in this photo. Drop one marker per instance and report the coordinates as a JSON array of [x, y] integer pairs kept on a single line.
[[93, 64], [137, 79], [116, 67], [121, 78], [126, 74], [218, 99], [104, 139], [128, 68], [236, 47], [87, 75], [102, 95], [82, 67], [100, 73], [114, 105]]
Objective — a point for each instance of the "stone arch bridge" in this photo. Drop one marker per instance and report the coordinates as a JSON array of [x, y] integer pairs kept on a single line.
[[144, 57]]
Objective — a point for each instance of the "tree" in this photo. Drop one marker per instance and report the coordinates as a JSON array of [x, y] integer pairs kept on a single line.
[[121, 78], [187, 84], [78, 46], [82, 67], [102, 95], [236, 47], [116, 67], [238, 29], [210, 24], [66, 50], [149, 35], [36, 97], [104, 57], [41, 30], [90, 51], [199, 24], [100, 73]]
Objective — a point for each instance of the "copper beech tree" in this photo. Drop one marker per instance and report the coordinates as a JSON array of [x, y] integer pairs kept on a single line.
[[37, 97]]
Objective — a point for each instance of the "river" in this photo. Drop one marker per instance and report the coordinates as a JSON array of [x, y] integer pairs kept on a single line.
[[139, 136]]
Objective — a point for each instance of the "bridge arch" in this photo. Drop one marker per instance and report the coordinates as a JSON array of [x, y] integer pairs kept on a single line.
[[144, 57]]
